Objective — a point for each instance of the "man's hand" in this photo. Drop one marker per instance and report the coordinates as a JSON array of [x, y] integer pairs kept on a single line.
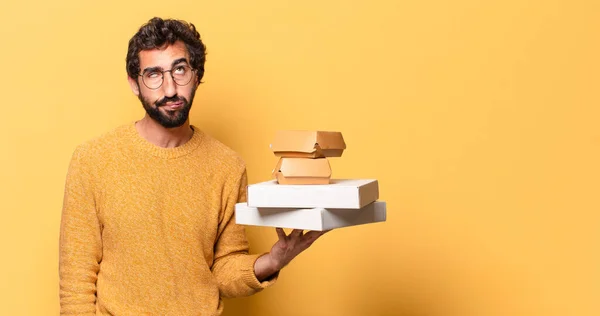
[[284, 250]]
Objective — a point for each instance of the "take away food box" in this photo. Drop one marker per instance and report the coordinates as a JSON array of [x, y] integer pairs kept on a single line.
[[339, 193], [308, 144], [302, 171], [310, 218]]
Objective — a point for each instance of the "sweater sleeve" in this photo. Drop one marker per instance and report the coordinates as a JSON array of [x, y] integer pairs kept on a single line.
[[80, 249], [233, 266]]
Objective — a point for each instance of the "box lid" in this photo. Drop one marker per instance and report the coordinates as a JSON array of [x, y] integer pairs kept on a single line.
[[308, 144]]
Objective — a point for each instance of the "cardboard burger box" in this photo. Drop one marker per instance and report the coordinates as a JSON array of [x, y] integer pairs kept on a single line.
[[308, 144], [302, 171], [310, 218], [340, 193]]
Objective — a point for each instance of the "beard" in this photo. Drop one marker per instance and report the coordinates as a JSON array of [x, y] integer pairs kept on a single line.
[[167, 118]]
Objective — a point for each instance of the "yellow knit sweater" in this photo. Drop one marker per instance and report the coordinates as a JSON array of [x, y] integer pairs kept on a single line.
[[151, 231]]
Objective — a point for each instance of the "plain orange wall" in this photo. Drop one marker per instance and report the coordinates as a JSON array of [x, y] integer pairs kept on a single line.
[[479, 118]]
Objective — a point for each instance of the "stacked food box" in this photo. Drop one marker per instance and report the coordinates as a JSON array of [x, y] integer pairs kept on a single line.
[[303, 195]]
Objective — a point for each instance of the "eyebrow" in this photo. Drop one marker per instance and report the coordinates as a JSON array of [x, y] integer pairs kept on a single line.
[[175, 62]]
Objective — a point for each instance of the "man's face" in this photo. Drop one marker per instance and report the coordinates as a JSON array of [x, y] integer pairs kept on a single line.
[[169, 104]]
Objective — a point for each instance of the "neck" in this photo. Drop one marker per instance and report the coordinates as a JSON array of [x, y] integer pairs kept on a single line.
[[160, 136]]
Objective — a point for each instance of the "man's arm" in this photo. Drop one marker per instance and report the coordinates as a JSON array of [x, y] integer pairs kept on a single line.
[[233, 267], [80, 242]]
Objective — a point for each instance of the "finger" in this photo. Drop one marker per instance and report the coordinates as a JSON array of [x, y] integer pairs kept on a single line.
[[280, 233], [313, 235], [296, 233], [310, 237]]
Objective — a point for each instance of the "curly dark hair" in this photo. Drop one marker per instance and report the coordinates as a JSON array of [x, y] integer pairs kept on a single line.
[[158, 32]]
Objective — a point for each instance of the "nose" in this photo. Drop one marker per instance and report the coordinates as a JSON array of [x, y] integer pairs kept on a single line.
[[169, 87]]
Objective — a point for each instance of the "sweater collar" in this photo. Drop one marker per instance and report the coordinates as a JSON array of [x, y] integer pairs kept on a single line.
[[166, 153]]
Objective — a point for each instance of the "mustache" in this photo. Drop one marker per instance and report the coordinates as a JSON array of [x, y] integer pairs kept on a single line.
[[174, 98]]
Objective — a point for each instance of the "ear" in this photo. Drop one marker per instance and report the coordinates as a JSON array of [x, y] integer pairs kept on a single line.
[[196, 80], [135, 87]]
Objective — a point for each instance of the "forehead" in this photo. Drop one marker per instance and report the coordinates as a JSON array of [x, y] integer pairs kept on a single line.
[[163, 56]]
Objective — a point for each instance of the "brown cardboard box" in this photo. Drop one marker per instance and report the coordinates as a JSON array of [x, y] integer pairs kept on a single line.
[[302, 171], [308, 144]]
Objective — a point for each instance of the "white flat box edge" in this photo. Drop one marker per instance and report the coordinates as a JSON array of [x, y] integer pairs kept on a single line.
[[319, 219], [340, 193]]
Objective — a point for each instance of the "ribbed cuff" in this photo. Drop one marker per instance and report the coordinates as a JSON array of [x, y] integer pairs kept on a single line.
[[249, 276]]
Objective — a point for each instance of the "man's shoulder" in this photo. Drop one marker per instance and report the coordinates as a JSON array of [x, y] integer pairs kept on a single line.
[[221, 153], [104, 143]]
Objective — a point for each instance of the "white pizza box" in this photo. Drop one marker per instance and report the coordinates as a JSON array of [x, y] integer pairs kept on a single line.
[[339, 193], [309, 218]]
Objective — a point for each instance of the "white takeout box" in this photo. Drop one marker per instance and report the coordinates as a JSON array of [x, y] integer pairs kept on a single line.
[[339, 193], [310, 218]]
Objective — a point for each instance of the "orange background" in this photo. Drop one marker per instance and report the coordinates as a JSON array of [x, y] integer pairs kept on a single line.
[[479, 118]]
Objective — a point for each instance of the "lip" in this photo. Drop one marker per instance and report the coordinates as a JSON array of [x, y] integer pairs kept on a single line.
[[174, 105]]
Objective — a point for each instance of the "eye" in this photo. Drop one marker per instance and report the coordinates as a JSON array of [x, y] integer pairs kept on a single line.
[[179, 70], [153, 74]]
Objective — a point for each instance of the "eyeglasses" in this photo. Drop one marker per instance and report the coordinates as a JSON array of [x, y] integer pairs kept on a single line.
[[181, 75]]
